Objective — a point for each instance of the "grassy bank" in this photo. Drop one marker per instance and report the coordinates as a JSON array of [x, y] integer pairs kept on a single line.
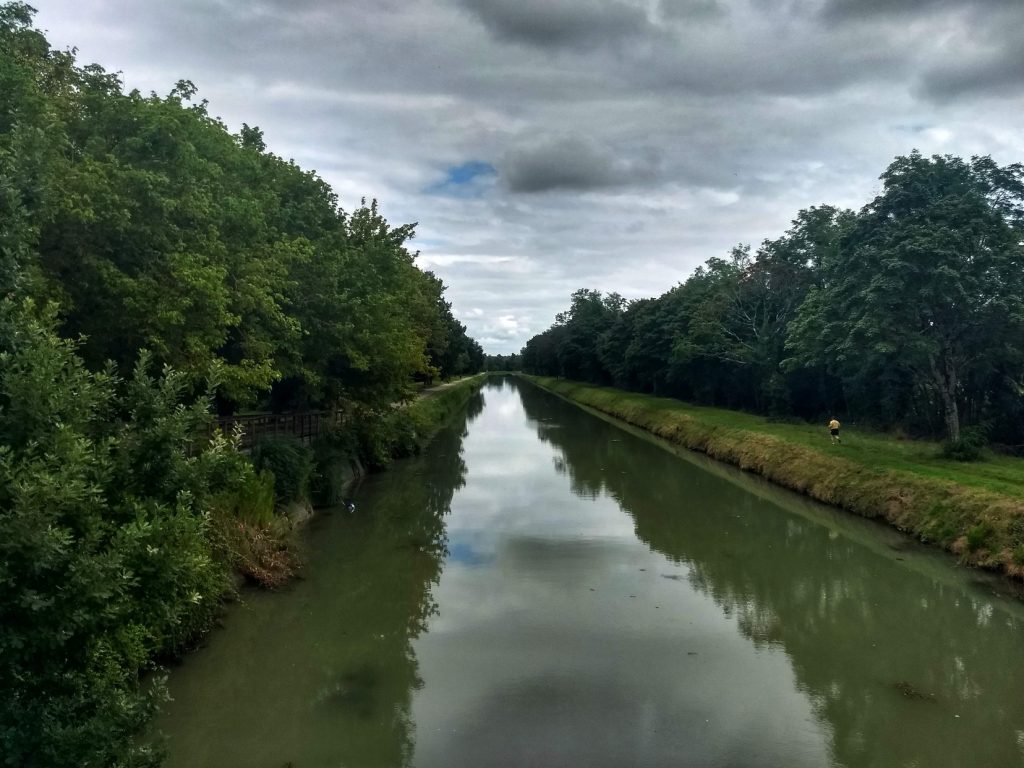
[[432, 409], [975, 510], [406, 429]]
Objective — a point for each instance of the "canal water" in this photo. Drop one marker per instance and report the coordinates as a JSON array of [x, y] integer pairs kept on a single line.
[[544, 588]]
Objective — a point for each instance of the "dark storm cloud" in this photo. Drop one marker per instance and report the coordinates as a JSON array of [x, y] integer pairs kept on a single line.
[[983, 57], [990, 75], [559, 23], [838, 10], [573, 163], [693, 10]]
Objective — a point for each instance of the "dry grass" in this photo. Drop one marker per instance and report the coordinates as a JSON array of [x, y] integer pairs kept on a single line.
[[264, 554], [975, 510]]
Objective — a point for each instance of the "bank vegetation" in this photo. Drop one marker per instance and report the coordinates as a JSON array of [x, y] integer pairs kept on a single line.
[[974, 510], [157, 269]]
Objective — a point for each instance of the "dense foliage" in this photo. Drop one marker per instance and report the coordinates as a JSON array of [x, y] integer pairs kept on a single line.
[[152, 265], [152, 226], [908, 314], [106, 557]]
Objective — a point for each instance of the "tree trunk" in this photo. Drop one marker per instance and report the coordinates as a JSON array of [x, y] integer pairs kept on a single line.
[[946, 380], [952, 414]]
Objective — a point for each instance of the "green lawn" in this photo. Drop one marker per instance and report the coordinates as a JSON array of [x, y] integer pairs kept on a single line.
[[999, 474]]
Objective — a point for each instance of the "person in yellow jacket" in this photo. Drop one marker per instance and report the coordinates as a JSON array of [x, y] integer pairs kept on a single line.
[[833, 429]]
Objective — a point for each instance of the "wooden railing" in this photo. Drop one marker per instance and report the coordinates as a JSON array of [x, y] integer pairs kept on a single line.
[[304, 426]]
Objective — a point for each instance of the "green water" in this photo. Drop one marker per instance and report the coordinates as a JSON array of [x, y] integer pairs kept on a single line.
[[542, 588]]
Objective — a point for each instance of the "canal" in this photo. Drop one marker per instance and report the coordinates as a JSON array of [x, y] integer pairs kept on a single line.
[[544, 588]]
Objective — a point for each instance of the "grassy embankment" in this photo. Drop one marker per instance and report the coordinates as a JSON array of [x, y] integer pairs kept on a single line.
[[435, 406], [975, 510]]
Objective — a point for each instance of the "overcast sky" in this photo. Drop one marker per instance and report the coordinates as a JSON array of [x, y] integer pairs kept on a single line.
[[549, 145]]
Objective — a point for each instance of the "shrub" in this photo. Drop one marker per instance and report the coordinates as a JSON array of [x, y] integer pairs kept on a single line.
[[247, 534], [979, 535], [383, 437], [291, 464], [1018, 554], [250, 498], [262, 553], [105, 556], [970, 446], [333, 456]]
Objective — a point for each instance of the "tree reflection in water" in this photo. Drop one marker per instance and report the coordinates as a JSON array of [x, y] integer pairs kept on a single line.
[[905, 665], [903, 662], [325, 675]]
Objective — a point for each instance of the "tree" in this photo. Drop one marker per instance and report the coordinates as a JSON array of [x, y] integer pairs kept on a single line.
[[929, 280], [152, 227], [589, 317]]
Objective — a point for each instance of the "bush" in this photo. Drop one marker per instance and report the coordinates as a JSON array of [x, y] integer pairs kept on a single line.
[[250, 498], [978, 536], [970, 446], [247, 535], [291, 464], [334, 455], [263, 553], [1018, 555], [105, 555], [381, 437]]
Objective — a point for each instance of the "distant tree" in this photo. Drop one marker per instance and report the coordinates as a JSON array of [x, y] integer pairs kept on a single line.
[[589, 317], [511, 362]]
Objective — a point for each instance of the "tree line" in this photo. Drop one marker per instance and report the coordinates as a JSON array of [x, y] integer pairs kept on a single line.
[[151, 226], [906, 315], [154, 267]]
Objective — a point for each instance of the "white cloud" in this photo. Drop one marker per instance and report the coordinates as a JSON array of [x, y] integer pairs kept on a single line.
[[632, 140]]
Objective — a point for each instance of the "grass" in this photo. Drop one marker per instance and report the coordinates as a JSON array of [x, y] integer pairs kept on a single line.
[[973, 509], [253, 540], [999, 474]]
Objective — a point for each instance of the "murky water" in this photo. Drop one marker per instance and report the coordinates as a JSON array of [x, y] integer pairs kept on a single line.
[[543, 588]]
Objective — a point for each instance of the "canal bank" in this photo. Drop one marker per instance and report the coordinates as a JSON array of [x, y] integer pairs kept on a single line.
[[982, 527], [324, 474], [542, 587]]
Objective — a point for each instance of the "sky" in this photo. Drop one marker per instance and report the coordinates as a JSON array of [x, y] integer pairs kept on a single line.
[[549, 145]]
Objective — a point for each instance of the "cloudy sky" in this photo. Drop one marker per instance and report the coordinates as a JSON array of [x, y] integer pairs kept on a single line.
[[549, 145]]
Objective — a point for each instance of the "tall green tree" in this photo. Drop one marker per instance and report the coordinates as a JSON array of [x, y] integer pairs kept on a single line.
[[930, 279], [138, 234], [152, 227]]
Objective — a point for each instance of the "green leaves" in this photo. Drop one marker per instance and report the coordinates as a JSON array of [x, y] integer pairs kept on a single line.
[[149, 263], [928, 281], [907, 313], [105, 557], [154, 228]]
